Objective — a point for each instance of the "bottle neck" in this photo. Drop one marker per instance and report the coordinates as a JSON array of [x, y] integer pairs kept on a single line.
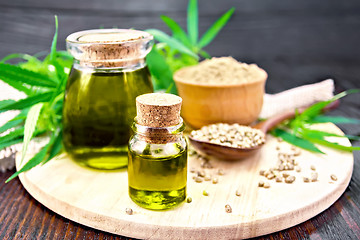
[[101, 66], [159, 135]]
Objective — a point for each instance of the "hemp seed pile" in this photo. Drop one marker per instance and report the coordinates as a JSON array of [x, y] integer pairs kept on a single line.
[[234, 135]]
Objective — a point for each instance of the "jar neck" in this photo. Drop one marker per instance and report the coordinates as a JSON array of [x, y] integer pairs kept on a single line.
[[159, 135], [128, 66], [109, 48]]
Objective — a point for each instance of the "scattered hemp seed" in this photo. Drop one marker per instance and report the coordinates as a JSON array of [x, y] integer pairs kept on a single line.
[[306, 179], [314, 176], [201, 174], [215, 180], [298, 169], [192, 170], [278, 148], [262, 172], [129, 211], [266, 173], [188, 199], [312, 167], [228, 209], [192, 153], [333, 177], [279, 140], [198, 179], [221, 172], [205, 193], [285, 175], [290, 179], [261, 184], [297, 152], [209, 165], [207, 178], [237, 193], [203, 158], [281, 167], [278, 179], [205, 162], [266, 185], [270, 176]]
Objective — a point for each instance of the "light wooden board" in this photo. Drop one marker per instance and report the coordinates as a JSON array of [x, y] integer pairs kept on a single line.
[[98, 199]]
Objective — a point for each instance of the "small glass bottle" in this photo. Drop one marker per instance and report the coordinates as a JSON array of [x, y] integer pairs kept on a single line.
[[157, 169], [109, 72]]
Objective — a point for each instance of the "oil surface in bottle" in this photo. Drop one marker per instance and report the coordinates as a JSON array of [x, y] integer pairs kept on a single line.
[[98, 112], [157, 182]]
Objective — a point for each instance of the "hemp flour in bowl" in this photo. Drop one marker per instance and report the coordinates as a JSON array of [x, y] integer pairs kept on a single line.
[[221, 90]]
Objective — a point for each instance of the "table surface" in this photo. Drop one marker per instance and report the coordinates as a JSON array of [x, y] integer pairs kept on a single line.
[[295, 42]]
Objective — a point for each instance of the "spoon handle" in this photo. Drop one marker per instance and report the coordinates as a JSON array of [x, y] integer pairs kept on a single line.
[[270, 123]]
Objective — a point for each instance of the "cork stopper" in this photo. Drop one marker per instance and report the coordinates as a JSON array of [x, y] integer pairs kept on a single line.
[[158, 110], [109, 48]]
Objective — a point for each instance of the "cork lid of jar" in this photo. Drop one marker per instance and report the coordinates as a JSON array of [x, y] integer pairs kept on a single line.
[[109, 47], [158, 109]]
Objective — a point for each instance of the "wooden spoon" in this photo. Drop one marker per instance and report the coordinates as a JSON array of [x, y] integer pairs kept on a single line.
[[232, 153]]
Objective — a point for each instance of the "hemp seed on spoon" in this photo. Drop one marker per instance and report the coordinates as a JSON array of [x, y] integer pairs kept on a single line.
[[234, 135]]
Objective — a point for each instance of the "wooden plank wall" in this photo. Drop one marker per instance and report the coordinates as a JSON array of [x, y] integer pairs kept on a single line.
[[297, 42]]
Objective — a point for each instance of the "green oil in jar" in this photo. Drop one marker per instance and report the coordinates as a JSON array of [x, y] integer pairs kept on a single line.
[[157, 170], [109, 72], [157, 182], [97, 116]]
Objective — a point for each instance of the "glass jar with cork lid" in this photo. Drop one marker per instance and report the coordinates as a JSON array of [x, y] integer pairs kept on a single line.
[[157, 170], [108, 73]]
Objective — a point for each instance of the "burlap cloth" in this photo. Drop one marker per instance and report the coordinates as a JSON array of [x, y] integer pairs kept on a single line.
[[297, 97]]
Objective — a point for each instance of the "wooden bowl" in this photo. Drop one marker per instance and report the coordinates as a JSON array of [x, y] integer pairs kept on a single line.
[[205, 104]]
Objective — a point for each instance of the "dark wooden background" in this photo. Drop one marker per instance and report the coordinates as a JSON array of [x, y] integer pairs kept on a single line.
[[296, 42]]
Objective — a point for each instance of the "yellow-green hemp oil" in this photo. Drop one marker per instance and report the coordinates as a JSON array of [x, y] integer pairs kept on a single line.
[[158, 181], [97, 116]]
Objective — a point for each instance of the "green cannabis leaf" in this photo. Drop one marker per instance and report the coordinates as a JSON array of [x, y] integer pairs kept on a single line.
[[298, 131], [181, 49], [192, 21], [213, 31], [30, 125], [172, 42], [295, 140], [334, 119], [43, 82]]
